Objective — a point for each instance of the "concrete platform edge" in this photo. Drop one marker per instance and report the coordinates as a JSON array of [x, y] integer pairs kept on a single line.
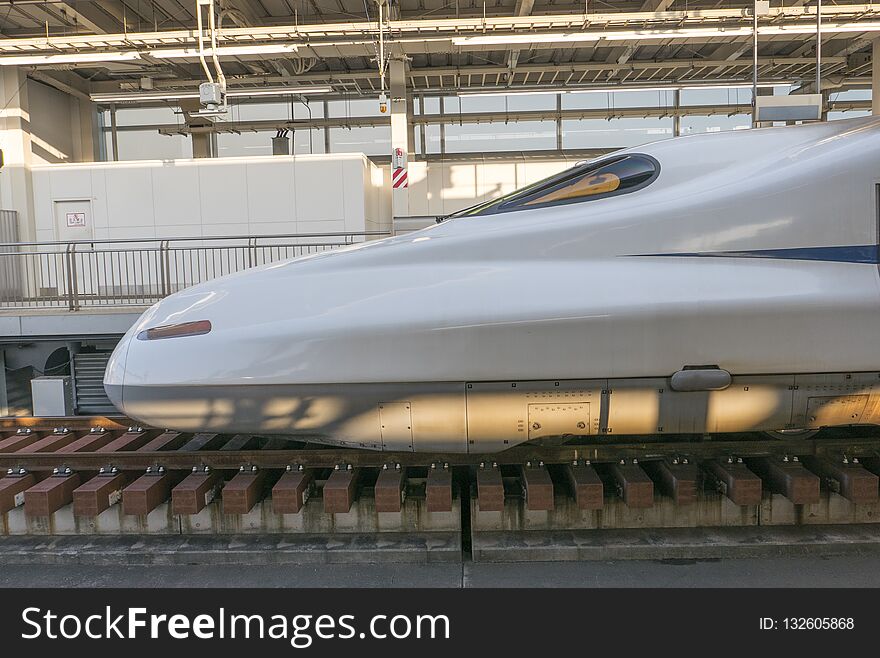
[[675, 543], [411, 548]]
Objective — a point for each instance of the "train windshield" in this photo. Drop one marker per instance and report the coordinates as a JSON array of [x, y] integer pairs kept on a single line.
[[584, 182]]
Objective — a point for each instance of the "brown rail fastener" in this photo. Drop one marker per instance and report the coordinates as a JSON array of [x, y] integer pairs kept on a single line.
[[438, 489], [149, 491], [243, 491], [241, 442], [48, 496], [736, 481], [633, 484], [165, 441], [537, 486], [50, 443], [154, 487], [678, 479], [586, 486], [291, 491], [95, 439], [388, 491], [490, 489], [196, 490], [12, 489], [787, 476], [100, 493], [339, 490], [852, 480], [19, 440], [130, 440], [204, 441]]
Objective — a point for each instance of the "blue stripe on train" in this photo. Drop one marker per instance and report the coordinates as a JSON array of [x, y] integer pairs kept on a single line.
[[868, 253]]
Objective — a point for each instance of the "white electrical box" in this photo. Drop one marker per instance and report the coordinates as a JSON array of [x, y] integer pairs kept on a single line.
[[210, 94], [53, 396], [795, 107]]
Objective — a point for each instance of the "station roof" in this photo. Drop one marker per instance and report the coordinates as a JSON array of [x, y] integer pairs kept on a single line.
[[451, 46]]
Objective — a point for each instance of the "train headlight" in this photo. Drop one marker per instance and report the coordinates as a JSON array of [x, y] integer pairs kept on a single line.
[[198, 328]]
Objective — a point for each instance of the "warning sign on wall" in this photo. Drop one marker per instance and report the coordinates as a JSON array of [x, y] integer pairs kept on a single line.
[[76, 219], [399, 179]]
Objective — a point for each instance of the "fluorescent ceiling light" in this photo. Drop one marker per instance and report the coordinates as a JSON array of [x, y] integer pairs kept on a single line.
[[494, 39], [826, 27], [129, 55], [742, 85], [640, 35], [145, 96], [223, 51], [513, 92], [501, 39], [123, 97], [278, 91], [850, 27], [677, 34], [592, 90], [71, 58]]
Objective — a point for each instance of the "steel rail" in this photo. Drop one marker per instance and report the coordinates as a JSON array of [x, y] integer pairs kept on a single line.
[[861, 447], [72, 423]]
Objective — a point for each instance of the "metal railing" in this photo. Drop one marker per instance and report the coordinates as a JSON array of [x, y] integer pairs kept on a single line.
[[138, 272]]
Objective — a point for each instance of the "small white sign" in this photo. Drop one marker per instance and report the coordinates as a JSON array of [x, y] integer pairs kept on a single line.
[[398, 158], [76, 219]]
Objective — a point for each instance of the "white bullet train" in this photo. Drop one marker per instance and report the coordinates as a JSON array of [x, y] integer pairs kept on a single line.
[[706, 284]]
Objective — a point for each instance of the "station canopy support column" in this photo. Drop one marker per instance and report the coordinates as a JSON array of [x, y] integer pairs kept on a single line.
[[401, 138], [875, 77], [84, 126], [16, 183], [202, 137]]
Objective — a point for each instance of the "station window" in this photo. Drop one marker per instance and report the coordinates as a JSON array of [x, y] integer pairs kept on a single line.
[[585, 182]]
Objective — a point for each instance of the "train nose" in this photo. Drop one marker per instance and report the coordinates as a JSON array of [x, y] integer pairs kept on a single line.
[[124, 377], [114, 376]]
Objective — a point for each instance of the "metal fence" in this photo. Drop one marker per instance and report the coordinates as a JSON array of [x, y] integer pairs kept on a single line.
[[137, 272]]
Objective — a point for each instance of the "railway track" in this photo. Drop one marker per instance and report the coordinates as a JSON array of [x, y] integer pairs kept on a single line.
[[101, 475], [81, 443]]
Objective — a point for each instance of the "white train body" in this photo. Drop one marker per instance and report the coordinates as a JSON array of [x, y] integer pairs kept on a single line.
[[752, 253]]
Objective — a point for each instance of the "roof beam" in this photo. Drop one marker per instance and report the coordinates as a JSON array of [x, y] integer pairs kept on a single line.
[[240, 12], [523, 8], [66, 81], [619, 55], [94, 17], [109, 17], [480, 117], [438, 30], [441, 80], [243, 8], [656, 5], [729, 52]]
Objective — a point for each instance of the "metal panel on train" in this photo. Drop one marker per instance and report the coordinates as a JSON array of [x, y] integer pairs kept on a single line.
[[501, 414]]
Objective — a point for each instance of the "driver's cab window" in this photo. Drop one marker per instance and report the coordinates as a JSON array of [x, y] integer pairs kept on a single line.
[[584, 182]]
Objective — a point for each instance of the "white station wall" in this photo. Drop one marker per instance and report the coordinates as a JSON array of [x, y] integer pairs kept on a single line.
[[62, 126], [261, 195], [211, 197]]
